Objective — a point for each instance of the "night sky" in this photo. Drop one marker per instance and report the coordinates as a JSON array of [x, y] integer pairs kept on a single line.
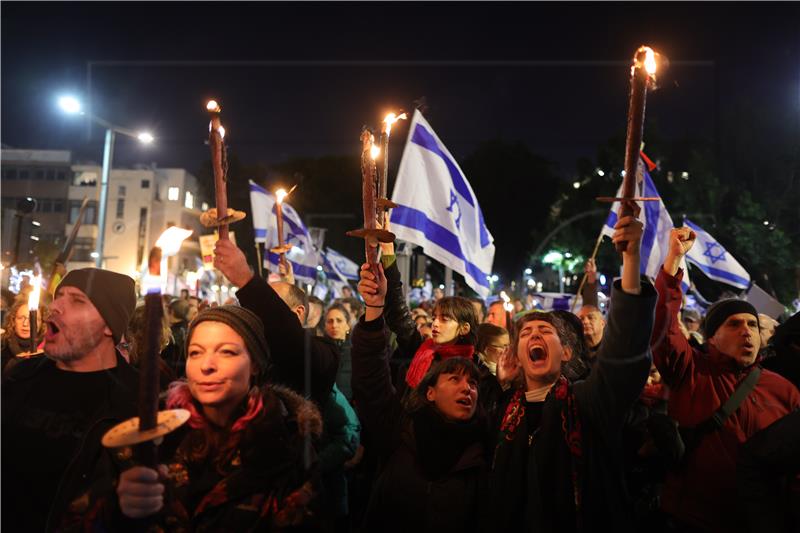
[[300, 79]]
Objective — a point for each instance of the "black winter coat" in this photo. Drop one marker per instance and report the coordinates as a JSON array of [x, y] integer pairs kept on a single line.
[[433, 474], [566, 475], [90, 469], [288, 342]]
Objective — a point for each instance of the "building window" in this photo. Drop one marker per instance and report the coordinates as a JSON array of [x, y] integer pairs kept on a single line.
[[46, 206], [89, 216], [82, 249], [61, 175], [173, 194], [121, 190], [204, 206], [38, 174], [189, 201], [145, 184], [120, 207], [23, 174], [10, 174], [51, 174], [58, 206]]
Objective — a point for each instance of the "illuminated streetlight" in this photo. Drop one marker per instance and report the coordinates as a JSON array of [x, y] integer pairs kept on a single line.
[[576, 185], [71, 105]]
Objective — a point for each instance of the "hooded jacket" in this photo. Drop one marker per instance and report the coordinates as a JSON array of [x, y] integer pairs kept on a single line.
[[267, 482]]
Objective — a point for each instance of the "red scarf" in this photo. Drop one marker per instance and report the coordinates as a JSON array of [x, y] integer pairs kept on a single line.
[[425, 354]]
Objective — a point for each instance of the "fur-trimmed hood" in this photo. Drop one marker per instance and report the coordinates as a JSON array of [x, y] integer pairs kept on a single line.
[[309, 419]]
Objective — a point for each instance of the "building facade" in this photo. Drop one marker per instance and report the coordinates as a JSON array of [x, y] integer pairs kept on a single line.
[[142, 203]]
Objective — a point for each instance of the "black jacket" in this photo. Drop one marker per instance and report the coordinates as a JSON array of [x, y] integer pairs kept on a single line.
[[537, 477], [434, 472], [90, 467], [289, 343]]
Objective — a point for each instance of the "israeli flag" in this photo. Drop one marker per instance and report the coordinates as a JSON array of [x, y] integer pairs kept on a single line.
[[657, 226], [303, 256], [340, 267], [714, 260], [438, 210]]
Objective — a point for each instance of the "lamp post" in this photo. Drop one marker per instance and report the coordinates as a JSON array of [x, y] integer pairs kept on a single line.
[[72, 106]]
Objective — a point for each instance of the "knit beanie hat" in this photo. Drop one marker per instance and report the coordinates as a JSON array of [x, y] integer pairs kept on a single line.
[[248, 326], [719, 312], [113, 294]]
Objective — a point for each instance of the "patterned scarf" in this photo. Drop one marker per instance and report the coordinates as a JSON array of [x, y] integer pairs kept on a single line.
[[570, 428]]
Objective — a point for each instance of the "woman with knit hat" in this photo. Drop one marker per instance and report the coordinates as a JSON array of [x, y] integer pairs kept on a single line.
[[432, 446], [239, 464]]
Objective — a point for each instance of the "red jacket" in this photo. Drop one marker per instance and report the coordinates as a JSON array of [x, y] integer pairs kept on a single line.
[[703, 492]]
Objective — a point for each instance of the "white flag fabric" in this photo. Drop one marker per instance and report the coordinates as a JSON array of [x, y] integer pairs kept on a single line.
[[657, 226], [438, 210], [338, 266], [714, 260], [303, 256]]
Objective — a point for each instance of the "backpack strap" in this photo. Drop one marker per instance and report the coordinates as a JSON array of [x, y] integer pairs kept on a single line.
[[744, 389]]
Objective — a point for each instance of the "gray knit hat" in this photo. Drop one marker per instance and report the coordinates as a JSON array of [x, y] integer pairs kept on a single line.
[[248, 326], [113, 294]]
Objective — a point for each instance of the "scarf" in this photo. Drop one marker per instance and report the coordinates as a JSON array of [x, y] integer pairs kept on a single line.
[[492, 366], [426, 354], [441, 443]]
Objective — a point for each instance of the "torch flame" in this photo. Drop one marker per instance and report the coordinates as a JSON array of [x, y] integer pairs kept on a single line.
[[375, 151], [280, 194], [33, 297], [170, 241], [390, 119], [213, 106], [650, 61]]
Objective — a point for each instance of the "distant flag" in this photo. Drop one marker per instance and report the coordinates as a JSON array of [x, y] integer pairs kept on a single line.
[[338, 266], [657, 226], [303, 256], [438, 210], [714, 260]]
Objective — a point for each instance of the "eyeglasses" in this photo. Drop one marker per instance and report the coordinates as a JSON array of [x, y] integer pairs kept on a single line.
[[498, 347], [23, 318]]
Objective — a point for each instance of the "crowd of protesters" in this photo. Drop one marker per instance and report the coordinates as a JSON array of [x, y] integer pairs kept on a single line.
[[361, 414]]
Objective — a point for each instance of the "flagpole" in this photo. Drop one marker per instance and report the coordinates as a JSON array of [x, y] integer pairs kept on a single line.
[[583, 279], [260, 266]]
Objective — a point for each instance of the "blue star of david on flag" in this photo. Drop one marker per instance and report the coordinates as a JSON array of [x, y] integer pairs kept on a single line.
[[710, 246]]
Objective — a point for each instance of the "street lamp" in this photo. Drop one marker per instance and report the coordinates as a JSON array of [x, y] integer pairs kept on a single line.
[[72, 106]]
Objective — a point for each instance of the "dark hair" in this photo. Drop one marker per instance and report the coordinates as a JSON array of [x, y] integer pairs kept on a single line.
[[338, 307], [568, 336], [180, 308], [314, 300], [355, 306], [487, 333], [579, 349], [461, 310], [463, 366], [481, 303]]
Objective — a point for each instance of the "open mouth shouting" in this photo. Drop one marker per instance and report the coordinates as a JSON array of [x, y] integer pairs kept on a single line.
[[52, 331], [538, 354]]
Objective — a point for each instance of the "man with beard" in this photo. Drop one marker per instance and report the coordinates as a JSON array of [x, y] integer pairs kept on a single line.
[[557, 463], [56, 408]]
